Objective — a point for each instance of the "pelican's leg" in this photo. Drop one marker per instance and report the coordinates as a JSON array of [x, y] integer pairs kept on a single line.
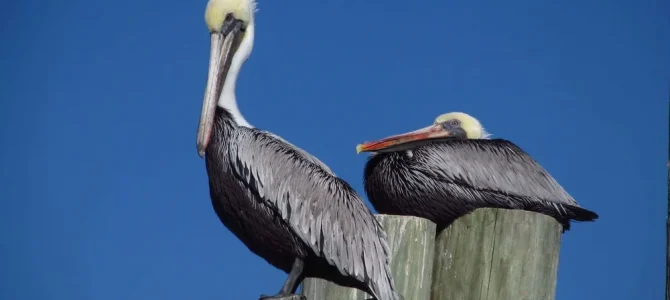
[[291, 284]]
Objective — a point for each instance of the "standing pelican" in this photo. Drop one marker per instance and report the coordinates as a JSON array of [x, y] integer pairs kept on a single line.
[[450, 168], [284, 204]]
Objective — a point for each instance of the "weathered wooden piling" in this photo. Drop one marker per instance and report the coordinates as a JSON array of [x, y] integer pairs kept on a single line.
[[497, 254], [412, 242]]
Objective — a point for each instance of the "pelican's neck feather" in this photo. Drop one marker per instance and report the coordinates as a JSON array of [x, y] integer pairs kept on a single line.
[[486, 135], [227, 99]]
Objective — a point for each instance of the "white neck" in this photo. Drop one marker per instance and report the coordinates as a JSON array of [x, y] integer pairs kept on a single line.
[[227, 99]]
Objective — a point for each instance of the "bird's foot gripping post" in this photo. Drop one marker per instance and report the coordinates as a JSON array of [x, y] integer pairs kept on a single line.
[[287, 291], [412, 242], [497, 254]]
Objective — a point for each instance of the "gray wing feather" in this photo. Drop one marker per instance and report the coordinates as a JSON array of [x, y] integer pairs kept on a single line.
[[303, 153], [497, 165], [323, 210]]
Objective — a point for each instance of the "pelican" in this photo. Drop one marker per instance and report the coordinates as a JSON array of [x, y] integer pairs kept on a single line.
[[450, 168], [285, 205]]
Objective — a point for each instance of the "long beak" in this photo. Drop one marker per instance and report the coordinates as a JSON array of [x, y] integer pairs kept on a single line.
[[393, 143], [221, 55]]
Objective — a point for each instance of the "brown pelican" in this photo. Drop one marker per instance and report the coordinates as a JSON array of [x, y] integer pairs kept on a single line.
[[285, 205], [450, 168]]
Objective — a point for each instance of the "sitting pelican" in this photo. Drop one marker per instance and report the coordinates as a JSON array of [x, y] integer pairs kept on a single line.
[[285, 205], [448, 169]]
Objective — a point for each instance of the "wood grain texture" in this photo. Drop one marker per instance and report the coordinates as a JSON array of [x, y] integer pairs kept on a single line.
[[497, 254], [412, 243]]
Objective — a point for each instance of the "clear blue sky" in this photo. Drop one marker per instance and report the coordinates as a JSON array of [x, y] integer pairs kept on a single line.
[[104, 196]]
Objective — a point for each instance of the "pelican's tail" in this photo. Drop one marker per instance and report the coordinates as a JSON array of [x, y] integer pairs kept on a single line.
[[565, 213], [582, 214]]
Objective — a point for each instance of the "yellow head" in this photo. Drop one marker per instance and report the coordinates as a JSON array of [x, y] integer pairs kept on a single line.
[[453, 125], [467, 123], [218, 10]]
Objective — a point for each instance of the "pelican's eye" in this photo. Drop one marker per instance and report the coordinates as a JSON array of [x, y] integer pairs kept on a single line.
[[451, 124]]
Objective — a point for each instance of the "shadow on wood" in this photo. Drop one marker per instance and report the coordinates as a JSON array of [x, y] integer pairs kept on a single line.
[[497, 254], [412, 242]]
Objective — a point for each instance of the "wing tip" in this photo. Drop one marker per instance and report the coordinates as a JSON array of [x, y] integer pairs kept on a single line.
[[576, 214], [582, 214]]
